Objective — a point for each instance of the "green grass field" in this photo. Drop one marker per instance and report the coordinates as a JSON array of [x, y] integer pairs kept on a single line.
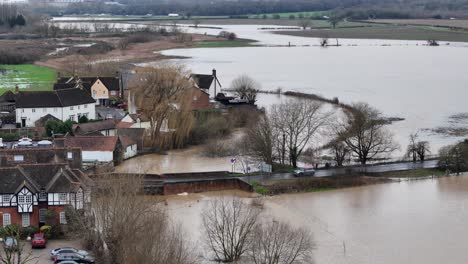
[[28, 77]]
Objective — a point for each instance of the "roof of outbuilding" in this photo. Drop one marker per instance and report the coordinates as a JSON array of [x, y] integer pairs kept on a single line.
[[90, 143], [58, 98], [90, 127]]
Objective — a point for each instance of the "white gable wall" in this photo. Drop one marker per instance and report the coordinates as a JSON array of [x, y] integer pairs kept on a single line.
[[101, 156], [62, 113]]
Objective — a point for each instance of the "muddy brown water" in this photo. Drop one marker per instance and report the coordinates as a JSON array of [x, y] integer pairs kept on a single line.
[[408, 222]]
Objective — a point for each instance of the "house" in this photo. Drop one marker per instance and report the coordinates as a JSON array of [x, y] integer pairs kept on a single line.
[[94, 148], [200, 99], [41, 155], [102, 128], [102, 89], [66, 104], [129, 146], [28, 191], [207, 82]]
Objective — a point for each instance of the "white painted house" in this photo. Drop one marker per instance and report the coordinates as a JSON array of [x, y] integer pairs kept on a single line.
[[94, 148], [65, 104]]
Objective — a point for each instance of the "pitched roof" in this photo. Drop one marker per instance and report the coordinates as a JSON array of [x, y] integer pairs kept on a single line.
[[90, 127], [112, 83], [8, 96], [127, 140], [90, 143], [203, 81], [122, 124], [57, 98], [60, 86], [51, 177]]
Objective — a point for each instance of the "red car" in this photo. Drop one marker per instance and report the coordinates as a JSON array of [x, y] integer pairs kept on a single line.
[[38, 241]]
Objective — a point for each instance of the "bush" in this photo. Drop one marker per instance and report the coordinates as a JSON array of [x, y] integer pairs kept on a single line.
[[83, 119], [9, 136], [58, 127], [218, 149], [46, 230], [11, 56], [29, 231], [210, 128]]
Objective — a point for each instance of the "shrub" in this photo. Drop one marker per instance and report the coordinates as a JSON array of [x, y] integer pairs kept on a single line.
[[210, 128], [46, 230], [83, 119], [58, 127], [28, 231], [218, 149]]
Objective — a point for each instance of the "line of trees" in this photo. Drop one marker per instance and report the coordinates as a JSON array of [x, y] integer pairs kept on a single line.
[[288, 130], [10, 16]]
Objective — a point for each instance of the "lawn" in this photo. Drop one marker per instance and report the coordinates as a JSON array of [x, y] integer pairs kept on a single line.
[[28, 77]]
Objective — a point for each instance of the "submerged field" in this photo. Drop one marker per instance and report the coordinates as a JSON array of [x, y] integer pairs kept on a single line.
[[26, 77]]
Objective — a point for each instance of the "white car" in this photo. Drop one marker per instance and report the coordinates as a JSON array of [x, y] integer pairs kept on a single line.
[[63, 250], [304, 172]]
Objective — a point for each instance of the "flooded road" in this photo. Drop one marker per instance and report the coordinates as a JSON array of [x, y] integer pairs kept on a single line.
[[406, 223]]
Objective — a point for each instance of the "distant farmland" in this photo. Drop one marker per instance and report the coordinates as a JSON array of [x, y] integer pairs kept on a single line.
[[27, 76], [455, 23]]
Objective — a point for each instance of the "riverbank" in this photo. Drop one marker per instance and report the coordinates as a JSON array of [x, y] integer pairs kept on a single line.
[[314, 184]]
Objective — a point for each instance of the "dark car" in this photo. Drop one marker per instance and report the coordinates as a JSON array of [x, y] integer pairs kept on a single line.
[[38, 241], [304, 172], [73, 257], [63, 250]]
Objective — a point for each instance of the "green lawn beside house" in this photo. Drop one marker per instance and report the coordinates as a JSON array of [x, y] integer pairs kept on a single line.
[[28, 77]]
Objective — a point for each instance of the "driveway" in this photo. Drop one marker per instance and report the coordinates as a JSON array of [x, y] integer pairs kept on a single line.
[[42, 255]]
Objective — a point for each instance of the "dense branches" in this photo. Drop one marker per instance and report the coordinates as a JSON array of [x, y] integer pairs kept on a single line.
[[245, 87], [365, 134]]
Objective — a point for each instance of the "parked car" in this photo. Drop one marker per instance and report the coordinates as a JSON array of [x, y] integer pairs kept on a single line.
[[122, 105], [304, 172], [11, 243], [59, 258], [38, 241], [64, 250], [69, 262]]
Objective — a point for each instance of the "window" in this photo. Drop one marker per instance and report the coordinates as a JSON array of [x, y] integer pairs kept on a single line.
[[6, 198], [22, 110], [55, 109], [33, 110], [44, 110], [42, 195], [78, 107], [42, 213], [25, 221], [6, 220], [25, 199], [72, 117], [62, 197], [71, 107], [63, 218], [70, 155], [18, 158], [85, 106]]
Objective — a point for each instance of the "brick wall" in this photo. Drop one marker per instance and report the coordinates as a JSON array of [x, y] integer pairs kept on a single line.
[[200, 100], [33, 217], [206, 186]]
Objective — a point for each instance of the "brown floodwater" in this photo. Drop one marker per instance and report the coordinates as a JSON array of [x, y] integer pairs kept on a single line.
[[407, 222]]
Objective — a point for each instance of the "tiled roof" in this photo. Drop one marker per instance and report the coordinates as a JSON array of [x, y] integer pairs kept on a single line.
[[86, 128], [90, 143], [58, 98], [203, 81], [124, 124], [127, 140]]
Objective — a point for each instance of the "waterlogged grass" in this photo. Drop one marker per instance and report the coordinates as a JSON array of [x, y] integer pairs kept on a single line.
[[259, 189], [28, 77], [296, 14], [224, 44], [412, 173]]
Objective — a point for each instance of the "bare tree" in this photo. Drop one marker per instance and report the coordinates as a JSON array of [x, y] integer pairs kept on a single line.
[[16, 253], [129, 228], [279, 243], [259, 139], [411, 150], [334, 20], [297, 122], [245, 87], [229, 225], [196, 22], [304, 23], [324, 42], [365, 133], [340, 152], [454, 157], [422, 149], [163, 95]]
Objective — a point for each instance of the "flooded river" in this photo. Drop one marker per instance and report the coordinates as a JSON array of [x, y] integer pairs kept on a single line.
[[406, 223]]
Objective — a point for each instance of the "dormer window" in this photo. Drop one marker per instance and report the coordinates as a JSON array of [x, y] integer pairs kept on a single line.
[[42, 195]]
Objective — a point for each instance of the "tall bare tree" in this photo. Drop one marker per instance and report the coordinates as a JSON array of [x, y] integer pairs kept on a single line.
[[340, 152], [412, 147], [298, 121], [163, 95], [16, 253], [259, 140], [245, 87], [422, 149], [279, 243], [334, 20], [129, 228], [365, 133], [228, 225]]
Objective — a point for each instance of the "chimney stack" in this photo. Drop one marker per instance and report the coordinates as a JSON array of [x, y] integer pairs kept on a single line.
[[214, 72], [17, 89]]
